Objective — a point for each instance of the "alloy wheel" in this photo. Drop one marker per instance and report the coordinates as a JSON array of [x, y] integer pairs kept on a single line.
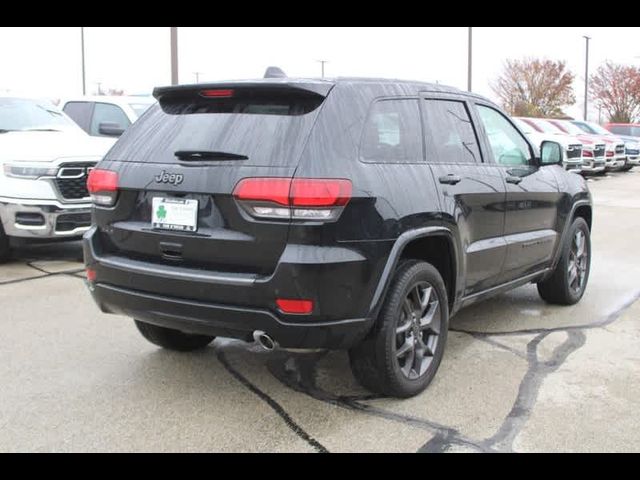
[[418, 330]]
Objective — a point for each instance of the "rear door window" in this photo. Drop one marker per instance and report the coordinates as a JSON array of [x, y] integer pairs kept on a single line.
[[107, 113], [80, 112], [393, 133], [450, 135]]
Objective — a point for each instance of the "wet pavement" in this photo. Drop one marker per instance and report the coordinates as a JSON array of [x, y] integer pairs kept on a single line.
[[518, 375]]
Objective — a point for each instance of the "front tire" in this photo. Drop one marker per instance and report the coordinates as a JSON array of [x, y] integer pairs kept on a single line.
[[567, 284], [173, 339], [403, 352]]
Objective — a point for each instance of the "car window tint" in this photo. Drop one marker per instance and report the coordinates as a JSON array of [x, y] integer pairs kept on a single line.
[[450, 133], [105, 113], [508, 146], [80, 112], [393, 132]]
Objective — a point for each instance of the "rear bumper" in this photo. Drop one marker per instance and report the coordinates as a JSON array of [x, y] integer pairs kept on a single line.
[[340, 282], [42, 219], [226, 321]]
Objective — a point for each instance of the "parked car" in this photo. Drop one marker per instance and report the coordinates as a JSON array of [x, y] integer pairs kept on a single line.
[[317, 214], [106, 116], [630, 133], [624, 129], [593, 151], [616, 158], [571, 146], [44, 162]]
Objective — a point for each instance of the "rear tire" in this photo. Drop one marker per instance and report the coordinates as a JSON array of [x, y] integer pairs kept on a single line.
[[567, 284], [5, 248], [402, 354], [173, 339]]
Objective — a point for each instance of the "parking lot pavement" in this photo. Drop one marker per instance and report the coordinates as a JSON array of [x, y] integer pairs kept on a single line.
[[518, 375]]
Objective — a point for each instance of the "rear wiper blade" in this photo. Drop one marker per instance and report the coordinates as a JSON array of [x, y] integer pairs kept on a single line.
[[205, 155]]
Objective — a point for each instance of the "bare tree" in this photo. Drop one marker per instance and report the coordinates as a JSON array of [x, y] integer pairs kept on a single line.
[[616, 88], [535, 88]]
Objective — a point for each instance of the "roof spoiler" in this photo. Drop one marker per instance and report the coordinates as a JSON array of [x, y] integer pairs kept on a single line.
[[274, 85]]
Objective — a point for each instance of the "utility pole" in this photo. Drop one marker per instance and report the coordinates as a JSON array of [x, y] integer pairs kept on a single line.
[[470, 61], [586, 79], [174, 56], [322, 64], [84, 76]]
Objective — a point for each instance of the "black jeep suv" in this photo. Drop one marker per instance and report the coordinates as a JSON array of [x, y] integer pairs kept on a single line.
[[353, 214]]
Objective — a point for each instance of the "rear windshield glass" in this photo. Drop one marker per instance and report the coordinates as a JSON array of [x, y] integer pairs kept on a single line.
[[257, 130]]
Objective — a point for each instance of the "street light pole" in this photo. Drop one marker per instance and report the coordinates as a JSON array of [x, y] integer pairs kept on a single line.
[[322, 64], [470, 61], [174, 56], [84, 76], [586, 79]]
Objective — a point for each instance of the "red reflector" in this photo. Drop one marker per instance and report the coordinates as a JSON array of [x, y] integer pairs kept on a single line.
[[102, 181], [91, 275], [274, 190], [320, 193], [225, 93], [295, 307]]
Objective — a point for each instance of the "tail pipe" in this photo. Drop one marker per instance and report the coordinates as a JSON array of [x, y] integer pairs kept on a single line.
[[265, 341]]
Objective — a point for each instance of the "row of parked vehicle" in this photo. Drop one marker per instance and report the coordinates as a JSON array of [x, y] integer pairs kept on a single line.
[[588, 147]]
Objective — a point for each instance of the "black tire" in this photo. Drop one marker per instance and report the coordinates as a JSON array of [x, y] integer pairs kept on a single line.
[[173, 339], [561, 288], [376, 363], [5, 248]]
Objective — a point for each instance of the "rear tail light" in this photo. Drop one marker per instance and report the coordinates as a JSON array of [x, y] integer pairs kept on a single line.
[[296, 199], [103, 187]]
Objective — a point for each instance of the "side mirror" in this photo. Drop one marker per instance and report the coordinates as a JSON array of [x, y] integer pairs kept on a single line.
[[550, 154], [110, 129]]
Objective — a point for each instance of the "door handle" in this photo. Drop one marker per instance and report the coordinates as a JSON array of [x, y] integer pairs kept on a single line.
[[450, 179], [513, 180]]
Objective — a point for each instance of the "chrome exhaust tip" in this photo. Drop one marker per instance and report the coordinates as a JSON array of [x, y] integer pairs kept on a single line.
[[265, 341]]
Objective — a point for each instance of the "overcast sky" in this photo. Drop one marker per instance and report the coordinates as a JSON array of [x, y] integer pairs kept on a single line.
[[45, 61]]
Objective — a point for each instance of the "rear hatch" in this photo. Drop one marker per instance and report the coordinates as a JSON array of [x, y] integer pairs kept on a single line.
[[177, 168]]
